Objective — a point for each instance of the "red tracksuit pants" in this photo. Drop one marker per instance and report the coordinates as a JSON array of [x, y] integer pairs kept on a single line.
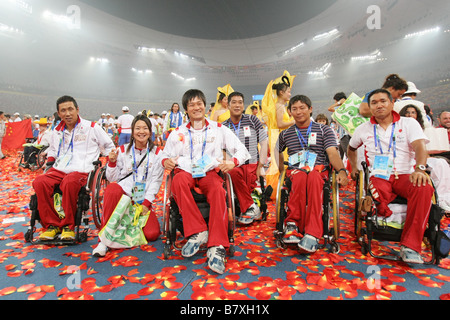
[[193, 222], [244, 182], [418, 209], [111, 198], [70, 185], [306, 200]]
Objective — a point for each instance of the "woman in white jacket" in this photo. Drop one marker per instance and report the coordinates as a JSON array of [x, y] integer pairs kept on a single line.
[[135, 170]]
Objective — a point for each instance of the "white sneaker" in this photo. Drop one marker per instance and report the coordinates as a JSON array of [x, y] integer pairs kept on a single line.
[[194, 243], [100, 251], [216, 259], [253, 213]]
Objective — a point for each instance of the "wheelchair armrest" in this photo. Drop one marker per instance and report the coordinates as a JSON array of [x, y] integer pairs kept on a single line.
[[97, 163]]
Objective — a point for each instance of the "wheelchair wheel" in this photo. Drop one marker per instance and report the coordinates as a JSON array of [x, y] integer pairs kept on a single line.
[[281, 202], [359, 194], [335, 203], [99, 185], [231, 213], [41, 158]]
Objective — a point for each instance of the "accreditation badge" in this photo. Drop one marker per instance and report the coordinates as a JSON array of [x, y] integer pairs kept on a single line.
[[139, 192], [382, 167]]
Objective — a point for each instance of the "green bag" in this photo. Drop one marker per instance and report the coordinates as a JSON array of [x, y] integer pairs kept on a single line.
[[124, 227], [347, 115]]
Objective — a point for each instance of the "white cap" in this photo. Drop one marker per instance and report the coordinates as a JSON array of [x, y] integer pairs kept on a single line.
[[36, 116], [17, 114], [412, 88], [125, 109], [164, 112]]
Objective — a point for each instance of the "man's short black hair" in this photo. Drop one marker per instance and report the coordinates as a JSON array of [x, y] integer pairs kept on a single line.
[[300, 98], [380, 91], [191, 94], [235, 94], [65, 99]]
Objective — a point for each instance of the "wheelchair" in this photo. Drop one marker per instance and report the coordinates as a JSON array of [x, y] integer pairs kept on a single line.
[[34, 161], [370, 227], [330, 216], [173, 233], [92, 190]]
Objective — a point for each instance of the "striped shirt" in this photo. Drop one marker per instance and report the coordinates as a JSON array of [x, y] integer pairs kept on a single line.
[[250, 132], [324, 138]]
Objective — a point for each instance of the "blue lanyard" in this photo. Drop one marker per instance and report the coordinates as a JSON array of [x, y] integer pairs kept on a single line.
[[192, 144], [135, 165], [392, 142], [62, 141], [174, 119], [302, 140], [238, 129]]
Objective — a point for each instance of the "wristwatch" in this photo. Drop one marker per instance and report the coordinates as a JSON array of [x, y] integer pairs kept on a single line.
[[421, 167]]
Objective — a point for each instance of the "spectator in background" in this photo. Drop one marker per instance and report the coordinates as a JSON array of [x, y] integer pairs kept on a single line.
[[322, 119], [124, 123], [43, 140], [429, 113], [410, 98], [412, 111], [396, 87], [344, 138], [16, 117], [444, 121], [173, 120]]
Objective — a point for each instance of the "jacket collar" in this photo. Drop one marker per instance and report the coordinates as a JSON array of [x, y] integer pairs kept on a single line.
[[394, 114], [189, 124], [62, 125]]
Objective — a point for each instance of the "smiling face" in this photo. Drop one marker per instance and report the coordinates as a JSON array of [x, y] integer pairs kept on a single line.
[[196, 109], [141, 134], [68, 113], [444, 120], [236, 106]]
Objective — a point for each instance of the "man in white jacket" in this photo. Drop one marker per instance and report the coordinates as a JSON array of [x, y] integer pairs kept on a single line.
[[75, 145], [195, 152]]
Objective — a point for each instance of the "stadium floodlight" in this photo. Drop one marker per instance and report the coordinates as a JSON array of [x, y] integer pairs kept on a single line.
[[177, 76], [99, 60], [370, 57], [322, 72], [291, 50], [22, 5], [422, 33], [11, 30], [326, 35], [141, 71]]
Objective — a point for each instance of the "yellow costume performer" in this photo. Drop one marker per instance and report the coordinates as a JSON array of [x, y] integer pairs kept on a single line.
[[260, 115], [227, 90], [269, 103]]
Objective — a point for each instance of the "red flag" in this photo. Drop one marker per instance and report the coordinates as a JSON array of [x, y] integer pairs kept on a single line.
[[16, 134]]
